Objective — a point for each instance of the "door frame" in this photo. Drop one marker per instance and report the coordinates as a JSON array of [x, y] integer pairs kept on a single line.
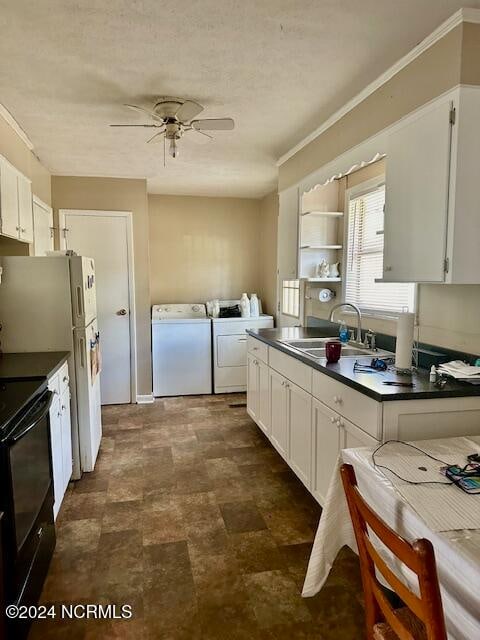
[[128, 216]]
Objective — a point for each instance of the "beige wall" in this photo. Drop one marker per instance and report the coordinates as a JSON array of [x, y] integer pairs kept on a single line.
[[203, 248], [268, 251], [17, 152], [436, 70], [119, 195]]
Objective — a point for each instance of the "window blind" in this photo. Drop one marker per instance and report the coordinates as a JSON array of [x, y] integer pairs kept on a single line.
[[365, 258]]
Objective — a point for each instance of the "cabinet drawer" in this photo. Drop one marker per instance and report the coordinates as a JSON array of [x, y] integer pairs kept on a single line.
[[360, 409], [63, 378], [291, 368], [257, 348]]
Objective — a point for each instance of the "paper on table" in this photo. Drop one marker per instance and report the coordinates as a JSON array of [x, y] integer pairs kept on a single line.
[[444, 507]]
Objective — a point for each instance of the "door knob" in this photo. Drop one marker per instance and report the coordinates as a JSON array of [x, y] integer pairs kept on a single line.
[[122, 312]]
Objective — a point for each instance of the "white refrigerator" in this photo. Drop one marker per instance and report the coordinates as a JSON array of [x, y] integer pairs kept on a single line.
[[49, 304]]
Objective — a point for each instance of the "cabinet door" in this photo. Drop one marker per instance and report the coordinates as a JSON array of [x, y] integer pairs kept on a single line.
[[9, 200], [279, 413], [326, 447], [352, 436], [66, 427], [42, 229], [57, 455], [416, 199], [25, 215], [232, 350], [263, 406], [300, 432], [252, 387]]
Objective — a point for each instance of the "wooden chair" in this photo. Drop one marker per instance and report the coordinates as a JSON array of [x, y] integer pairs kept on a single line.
[[422, 617]]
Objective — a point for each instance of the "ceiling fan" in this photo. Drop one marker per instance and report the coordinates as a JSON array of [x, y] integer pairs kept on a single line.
[[173, 117]]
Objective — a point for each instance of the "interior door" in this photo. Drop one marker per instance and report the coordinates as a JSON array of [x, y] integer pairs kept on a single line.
[[416, 197], [103, 236]]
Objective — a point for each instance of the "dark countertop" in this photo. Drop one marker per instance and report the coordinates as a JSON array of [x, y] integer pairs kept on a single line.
[[42, 364], [368, 383]]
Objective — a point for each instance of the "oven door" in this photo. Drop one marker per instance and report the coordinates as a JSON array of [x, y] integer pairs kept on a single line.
[[28, 451]]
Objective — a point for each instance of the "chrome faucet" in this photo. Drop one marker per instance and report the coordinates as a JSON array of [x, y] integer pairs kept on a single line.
[[359, 317]]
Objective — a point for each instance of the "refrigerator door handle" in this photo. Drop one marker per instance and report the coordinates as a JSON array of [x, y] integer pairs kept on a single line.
[[81, 346], [79, 301]]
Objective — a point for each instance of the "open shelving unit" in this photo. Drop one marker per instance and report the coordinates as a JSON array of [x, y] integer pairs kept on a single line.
[[320, 232]]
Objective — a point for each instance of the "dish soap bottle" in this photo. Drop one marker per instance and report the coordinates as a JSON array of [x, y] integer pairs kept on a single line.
[[343, 332], [254, 306], [245, 306]]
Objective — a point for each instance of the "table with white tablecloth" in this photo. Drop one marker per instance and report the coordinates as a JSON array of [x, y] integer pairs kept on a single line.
[[457, 551]]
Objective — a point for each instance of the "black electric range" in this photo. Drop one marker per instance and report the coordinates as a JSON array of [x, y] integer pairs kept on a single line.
[[15, 397], [26, 499]]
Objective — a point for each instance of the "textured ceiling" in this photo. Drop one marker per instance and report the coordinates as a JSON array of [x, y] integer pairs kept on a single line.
[[279, 68]]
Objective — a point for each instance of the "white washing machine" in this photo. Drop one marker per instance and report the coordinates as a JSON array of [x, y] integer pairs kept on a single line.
[[230, 349], [181, 350]]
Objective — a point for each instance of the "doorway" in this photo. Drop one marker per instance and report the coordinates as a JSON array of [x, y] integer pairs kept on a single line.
[[106, 236]]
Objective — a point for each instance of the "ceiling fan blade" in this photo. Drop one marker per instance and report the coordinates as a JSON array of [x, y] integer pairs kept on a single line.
[[157, 137], [135, 125], [188, 110], [213, 124], [152, 114], [198, 137]]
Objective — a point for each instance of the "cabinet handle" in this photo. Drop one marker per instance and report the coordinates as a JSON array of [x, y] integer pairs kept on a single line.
[[287, 385], [17, 228], [340, 423], [242, 339], [23, 230], [333, 420], [388, 269], [66, 379], [337, 399], [63, 407], [255, 348]]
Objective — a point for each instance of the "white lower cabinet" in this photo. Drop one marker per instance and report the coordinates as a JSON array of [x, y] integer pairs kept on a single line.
[[252, 387], [263, 404], [326, 447], [309, 419], [279, 413], [57, 453], [66, 423], [60, 435], [300, 432]]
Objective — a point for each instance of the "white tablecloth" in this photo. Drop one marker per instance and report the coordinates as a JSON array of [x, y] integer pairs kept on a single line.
[[457, 552]]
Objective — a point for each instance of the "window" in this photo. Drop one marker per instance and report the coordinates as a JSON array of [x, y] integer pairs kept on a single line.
[[365, 257], [291, 298]]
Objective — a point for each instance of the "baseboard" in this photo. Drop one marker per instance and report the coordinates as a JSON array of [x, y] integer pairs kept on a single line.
[[146, 399]]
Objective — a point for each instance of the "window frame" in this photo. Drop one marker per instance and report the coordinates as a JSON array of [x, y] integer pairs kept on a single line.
[[299, 289], [350, 194]]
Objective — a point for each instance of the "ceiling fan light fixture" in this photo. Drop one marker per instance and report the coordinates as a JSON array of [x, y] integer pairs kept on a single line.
[[173, 149]]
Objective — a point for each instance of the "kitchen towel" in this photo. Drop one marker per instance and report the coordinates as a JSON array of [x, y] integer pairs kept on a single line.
[[404, 347]]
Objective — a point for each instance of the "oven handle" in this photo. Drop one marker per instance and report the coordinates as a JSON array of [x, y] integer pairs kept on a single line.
[[15, 436]]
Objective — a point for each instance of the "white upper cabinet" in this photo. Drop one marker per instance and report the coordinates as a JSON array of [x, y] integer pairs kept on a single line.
[[25, 214], [432, 222], [8, 200], [15, 203], [42, 228]]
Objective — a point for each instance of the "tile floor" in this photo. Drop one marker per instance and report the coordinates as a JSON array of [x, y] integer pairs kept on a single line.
[[193, 519]]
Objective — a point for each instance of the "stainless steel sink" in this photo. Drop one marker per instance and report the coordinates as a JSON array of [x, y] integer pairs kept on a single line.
[[315, 348]]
